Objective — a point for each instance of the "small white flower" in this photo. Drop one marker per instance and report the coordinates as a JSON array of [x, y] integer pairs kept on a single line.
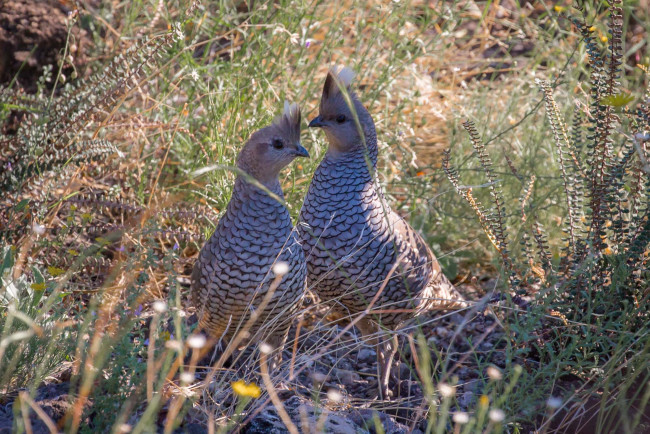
[[125, 428], [334, 395], [461, 417], [280, 268], [446, 390], [187, 377], [496, 415], [266, 348], [494, 373], [159, 306], [194, 74], [38, 229], [554, 402], [196, 341]]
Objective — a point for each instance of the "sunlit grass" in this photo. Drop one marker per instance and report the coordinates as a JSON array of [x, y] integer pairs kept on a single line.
[[420, 72]]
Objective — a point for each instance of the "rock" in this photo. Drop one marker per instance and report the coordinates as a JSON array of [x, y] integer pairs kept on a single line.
[[367, 421], [485, 346], [410, 388], [404, 371], [347, 378], [266, 421], [442, 332], [301, 412], [457, 318], [52, 398], [192, 428], [366, 355], [433, 342], [466, 400]]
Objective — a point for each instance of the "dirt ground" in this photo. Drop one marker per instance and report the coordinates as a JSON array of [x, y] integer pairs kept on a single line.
[[33, 34]]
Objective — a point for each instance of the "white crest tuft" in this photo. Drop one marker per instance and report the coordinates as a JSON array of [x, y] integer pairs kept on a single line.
[[344, 74], [289, 121], [290, 110], [338, 78]]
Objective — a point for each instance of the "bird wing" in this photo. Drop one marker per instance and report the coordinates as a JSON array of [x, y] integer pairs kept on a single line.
[[423, 273]]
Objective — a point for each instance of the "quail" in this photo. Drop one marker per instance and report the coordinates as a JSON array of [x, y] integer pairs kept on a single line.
[[362, 256], [235, 268]]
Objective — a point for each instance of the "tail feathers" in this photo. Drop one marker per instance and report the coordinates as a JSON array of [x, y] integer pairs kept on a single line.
[[440, 295]]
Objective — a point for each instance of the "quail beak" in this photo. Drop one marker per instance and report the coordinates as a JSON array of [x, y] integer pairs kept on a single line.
[[317, 122], [300, 151]]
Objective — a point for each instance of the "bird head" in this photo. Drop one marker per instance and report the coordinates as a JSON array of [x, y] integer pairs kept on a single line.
[[341, 115], [273, 148]]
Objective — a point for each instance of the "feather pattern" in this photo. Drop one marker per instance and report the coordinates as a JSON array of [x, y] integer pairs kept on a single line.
[[233, 272], [352, 238]]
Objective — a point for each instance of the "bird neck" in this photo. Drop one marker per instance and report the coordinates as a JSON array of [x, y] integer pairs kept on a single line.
[[245, 189], [264, 176], [365, 150]]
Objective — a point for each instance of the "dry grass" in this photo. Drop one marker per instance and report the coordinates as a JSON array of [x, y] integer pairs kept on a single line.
[[423, 68]]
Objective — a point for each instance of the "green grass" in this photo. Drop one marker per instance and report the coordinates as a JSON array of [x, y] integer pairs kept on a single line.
[[225, 77]]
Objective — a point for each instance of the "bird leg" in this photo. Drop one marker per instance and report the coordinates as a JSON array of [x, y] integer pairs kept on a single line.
[[276, 342], [386, 351], [386, 347]]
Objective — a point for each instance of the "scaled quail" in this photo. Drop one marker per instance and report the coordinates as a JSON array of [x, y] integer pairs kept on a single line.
[[352, 239], [234, 270]]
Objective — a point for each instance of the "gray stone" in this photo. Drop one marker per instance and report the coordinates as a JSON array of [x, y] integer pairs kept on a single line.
[[367, 355]]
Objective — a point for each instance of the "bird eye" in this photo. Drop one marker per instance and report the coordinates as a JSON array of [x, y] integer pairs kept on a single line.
[[277, 144], [340, 119]]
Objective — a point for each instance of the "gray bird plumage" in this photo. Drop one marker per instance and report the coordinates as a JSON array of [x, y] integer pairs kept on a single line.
[[234, 269], [351, 237]]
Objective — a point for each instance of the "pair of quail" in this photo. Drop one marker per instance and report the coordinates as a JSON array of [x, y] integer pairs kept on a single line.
[[349, 246]]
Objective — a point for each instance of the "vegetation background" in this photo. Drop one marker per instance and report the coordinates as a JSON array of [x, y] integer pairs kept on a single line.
[[121, 122]]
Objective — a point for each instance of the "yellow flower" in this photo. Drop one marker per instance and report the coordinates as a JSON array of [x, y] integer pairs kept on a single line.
[[608, 251], [484, 401], [73, 252], [592, 28], [250, 390], [38, 286], [55, 271], [559, 9], [604, 39]]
